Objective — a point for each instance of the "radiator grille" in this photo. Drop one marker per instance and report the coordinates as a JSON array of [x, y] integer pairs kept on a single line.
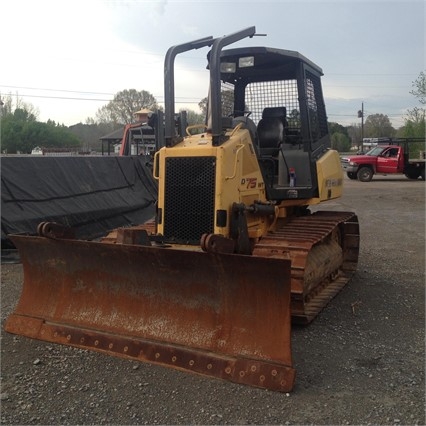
[[189, 198]]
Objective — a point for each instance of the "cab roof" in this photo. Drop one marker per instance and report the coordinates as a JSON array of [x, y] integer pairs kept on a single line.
[[273, 62]]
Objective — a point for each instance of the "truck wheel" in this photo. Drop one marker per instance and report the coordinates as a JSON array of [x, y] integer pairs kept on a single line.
[[413, 175], [365, 174], [422, 173], [351, 175]]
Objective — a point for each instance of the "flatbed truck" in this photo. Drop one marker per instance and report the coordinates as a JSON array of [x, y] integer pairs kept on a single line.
[[389, 156]]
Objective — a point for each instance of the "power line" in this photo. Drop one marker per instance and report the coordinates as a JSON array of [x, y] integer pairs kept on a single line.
[[178, 100], [56, 90], [63, 97], [159, 99], [367, 87], [354, 115], [369, 75], [112, 94], [183, 99]]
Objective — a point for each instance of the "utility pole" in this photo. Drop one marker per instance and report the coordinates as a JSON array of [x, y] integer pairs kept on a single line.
[[361, 116]]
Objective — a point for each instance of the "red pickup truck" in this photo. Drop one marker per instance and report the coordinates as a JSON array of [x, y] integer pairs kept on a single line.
[[385, 159]]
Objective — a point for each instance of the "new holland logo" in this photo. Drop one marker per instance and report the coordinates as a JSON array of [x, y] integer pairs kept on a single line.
[[331, 183]]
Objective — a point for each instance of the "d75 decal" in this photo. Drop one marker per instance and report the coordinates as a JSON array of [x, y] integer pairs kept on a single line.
[[249, 183]]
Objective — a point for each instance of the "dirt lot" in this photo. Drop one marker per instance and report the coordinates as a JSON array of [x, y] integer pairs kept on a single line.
[[360, 362]]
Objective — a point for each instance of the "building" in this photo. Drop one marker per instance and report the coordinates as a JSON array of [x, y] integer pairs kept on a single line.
[[142, 136]]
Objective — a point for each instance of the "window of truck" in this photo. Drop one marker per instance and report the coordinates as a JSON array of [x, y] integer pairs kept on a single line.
[[375, 152]]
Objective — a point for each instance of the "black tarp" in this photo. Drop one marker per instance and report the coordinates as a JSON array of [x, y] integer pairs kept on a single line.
[[91, 194]]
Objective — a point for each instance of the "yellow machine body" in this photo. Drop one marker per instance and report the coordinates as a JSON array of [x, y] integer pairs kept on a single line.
[[239, 179]]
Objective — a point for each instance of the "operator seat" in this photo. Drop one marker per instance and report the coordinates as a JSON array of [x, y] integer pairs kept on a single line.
[[271, 130]]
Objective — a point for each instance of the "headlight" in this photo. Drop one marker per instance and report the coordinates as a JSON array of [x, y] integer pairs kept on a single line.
[[228, 67], [246, 62], [352, 163]]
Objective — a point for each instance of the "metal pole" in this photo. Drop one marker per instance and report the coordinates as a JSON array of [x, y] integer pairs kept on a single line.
[[215, 100], [361, 116], [362, 127], [169, 82]]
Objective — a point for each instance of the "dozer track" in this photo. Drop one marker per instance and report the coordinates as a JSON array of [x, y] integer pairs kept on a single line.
[[323, 248]]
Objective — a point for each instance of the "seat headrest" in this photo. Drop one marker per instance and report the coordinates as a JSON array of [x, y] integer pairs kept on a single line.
[[274, 112]]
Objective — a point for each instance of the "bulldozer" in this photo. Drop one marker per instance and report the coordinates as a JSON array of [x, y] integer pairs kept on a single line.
[[237, 250]]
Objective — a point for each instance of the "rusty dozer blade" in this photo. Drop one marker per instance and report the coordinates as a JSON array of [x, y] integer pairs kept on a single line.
[[219, 315]]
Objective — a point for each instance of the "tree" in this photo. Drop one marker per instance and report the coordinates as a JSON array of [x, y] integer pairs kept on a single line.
[[125, 103], [415, 121], [419, 88], [378, 125], [337, 128], [294, 119], [12, 104], [23, 115], [22, 136], [193, 117], [90, 134], [227, 103], [203, 106], [414, 126], [21, 132], [340, 140], [354, 133]]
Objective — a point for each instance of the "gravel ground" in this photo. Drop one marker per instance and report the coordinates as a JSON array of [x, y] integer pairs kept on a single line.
[[360, 362]]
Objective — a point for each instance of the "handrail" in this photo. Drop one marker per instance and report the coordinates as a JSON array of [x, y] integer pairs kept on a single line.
[[169, 88], [214, 65]]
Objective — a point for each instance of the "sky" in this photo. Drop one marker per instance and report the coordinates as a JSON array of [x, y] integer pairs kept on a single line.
[[69, 58]]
